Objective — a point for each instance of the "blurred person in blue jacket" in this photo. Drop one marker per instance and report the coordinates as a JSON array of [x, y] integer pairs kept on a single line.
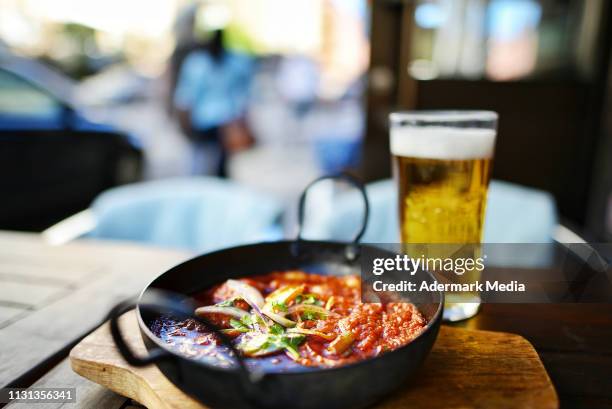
[[211, 97]]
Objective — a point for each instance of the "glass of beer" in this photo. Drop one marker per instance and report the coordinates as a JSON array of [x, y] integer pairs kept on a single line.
[[442, 165]]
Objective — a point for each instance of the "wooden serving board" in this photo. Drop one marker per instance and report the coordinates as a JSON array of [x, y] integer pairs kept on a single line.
[[466, 369]]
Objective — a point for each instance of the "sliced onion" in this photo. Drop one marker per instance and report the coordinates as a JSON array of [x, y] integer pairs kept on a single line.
[[310, 308], [305, 331], [285, 322], [213, 309], [247, 292], [261, 315]]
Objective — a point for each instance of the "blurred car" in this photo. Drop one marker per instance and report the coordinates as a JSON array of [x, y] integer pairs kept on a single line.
[[54, 160]]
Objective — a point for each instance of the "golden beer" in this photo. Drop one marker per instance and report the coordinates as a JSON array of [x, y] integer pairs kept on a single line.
[[442, 165], [442, 201]]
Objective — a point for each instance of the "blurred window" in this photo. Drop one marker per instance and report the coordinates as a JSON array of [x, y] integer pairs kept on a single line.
[[21, 98], [503, 40]]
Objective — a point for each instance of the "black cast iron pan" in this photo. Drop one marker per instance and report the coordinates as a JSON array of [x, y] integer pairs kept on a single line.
[[352, 386]]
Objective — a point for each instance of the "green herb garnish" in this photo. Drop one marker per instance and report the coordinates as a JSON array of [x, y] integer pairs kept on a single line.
[[291, 344], [277, 329], [247, 320], [310, 316], [309, 299], [279, 306], [260, 344], [239, 325]]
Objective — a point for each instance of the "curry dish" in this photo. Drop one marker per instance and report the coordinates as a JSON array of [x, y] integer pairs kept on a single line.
[[293, 318]]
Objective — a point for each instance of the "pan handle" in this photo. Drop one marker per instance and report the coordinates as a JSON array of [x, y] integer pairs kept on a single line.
[[165, 302], [343, 177], [126, 352]]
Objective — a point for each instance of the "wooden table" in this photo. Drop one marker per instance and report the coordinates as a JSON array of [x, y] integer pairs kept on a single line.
[[51, 296]]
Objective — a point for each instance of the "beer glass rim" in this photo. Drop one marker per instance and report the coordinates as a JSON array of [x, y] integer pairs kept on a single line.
[[445, 116]]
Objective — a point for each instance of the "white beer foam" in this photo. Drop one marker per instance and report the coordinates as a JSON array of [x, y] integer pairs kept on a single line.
[[437, 142]]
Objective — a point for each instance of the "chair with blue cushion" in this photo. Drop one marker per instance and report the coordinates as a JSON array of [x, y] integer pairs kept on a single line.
[[199, 214]]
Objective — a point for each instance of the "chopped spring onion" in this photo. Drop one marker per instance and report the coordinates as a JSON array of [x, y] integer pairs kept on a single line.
[[342, 343], [257, 344], [305, 331], [314, 310], [284, 295]]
